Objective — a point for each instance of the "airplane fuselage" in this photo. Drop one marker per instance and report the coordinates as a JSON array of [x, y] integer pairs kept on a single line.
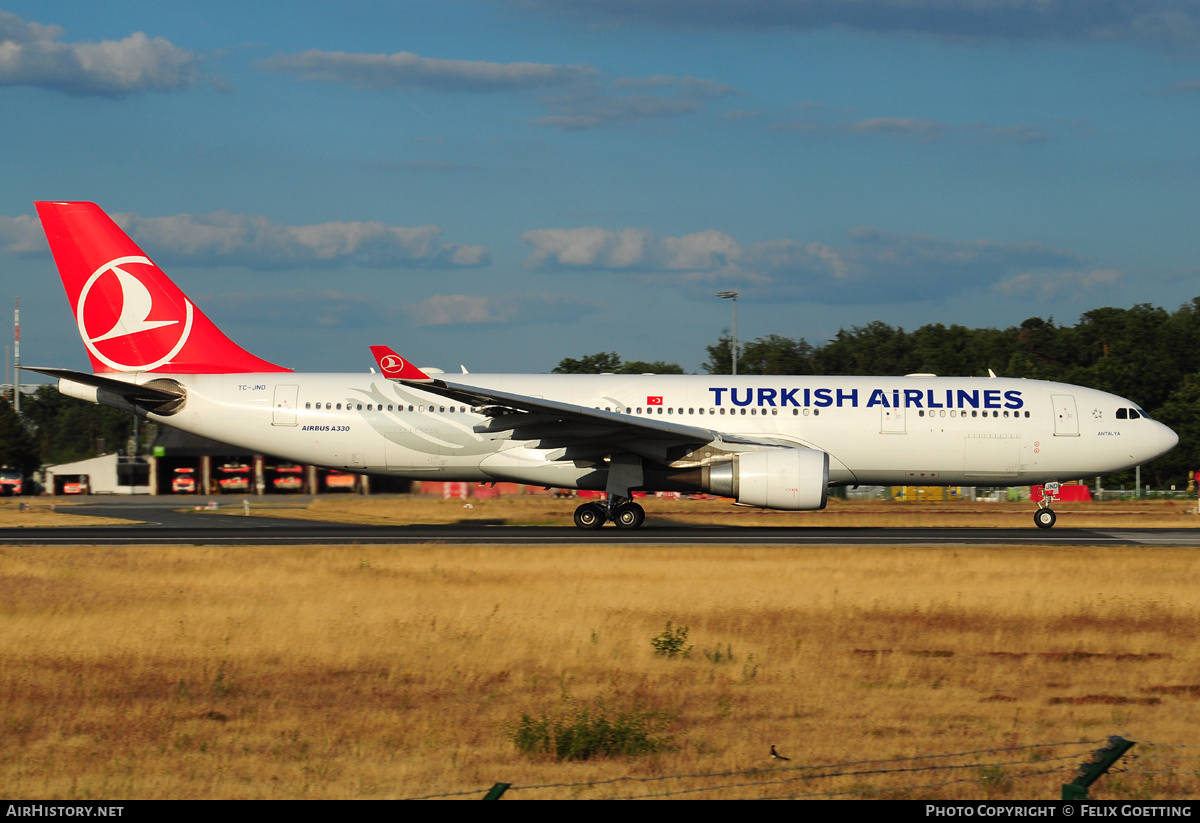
[[876, 430]]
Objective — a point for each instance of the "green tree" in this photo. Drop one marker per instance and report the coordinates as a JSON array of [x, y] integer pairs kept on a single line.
[[67, 429], [17, 448], [720, 358], [609, 362], [1178, 412], [875, 348], [650, 367], [600, 363], [773, 354]]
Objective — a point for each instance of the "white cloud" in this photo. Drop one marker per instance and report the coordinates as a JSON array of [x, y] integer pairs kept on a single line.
[[472, 310], [1055, 284], [576, 97], [629, 249], [299, 309], [32, 55], [1160, 22], [22, 235], [1184, 86], [631, 100], [257, 242], [331, 309], [407, 70], [903, 126], [222, 238], [872, 267], [822, 121]]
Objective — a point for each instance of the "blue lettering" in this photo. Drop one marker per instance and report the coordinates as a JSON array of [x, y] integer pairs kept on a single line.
[[1014, 400], [878, 398], [851, 395], [912, 398], [895, 398], [932, 404], [823, 398], [807, 400], [968, 398], [991, 399], [718, 393], [749, 397], [766, 397], [787, 397]]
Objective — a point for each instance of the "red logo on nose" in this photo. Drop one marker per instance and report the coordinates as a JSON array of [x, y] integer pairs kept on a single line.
[[126, 318]]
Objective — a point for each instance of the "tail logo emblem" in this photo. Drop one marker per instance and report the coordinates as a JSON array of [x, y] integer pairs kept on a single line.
[[100, 322], [391, 363]]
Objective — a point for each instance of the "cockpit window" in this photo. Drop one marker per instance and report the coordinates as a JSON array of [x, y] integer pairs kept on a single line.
[[1122, 414], [1133, 415]]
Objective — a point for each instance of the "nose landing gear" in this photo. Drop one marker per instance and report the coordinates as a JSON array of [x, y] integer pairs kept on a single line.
[[1044, 517], [620, 510]]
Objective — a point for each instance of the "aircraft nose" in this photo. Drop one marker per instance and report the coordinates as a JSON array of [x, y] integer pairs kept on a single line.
[[1165, 440]]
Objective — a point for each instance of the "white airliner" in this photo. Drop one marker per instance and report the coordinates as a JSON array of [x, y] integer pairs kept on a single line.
[[769, 442]]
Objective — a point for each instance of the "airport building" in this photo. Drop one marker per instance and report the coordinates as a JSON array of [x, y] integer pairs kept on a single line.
[[186, 464]]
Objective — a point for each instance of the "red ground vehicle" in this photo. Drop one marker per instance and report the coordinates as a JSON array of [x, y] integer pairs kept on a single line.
[[339, 481], [10, 481], [233, 477], [288, 478], [75, 487], [184, 481]]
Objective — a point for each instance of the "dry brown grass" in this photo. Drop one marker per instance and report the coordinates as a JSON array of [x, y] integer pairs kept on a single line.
[[548, 511], [40, 515], [374, 671]]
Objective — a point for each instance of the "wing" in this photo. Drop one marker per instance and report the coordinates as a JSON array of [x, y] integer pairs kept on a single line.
[[579, 429], [156, 394]]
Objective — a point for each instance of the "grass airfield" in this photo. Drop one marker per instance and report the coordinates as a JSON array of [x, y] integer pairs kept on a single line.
[[378, 672]]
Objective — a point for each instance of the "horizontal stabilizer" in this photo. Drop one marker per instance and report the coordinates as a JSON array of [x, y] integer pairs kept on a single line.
[[146, 395]]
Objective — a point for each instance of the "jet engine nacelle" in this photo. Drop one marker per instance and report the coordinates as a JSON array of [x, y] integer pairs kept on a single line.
[[788, 479]]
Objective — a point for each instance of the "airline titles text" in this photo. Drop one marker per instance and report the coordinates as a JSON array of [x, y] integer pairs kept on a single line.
[[882, 398]]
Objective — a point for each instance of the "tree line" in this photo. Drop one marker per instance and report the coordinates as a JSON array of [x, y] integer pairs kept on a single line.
[[54, 428]]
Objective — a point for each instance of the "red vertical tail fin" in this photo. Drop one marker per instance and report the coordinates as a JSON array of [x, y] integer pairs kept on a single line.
[[130, 315]]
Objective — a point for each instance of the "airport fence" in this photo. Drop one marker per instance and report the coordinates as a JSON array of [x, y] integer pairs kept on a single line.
[[1056, 769]]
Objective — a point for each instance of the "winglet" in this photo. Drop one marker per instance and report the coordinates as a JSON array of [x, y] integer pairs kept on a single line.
[[395, 367]]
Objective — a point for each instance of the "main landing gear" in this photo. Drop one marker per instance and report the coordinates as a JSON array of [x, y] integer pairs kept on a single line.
[[620, 510], [1044, 517]]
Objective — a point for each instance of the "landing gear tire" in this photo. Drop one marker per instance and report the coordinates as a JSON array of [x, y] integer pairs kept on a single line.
[[589, 516], [629, 516], [1044, 518]]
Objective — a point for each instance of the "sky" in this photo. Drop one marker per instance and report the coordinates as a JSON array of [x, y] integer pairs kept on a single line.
[[506, 183]]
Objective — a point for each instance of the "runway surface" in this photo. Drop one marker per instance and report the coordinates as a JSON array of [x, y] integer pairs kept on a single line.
[[164, 525]]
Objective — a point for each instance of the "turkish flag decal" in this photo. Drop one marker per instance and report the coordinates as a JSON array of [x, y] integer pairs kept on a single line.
[[653, 401]]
